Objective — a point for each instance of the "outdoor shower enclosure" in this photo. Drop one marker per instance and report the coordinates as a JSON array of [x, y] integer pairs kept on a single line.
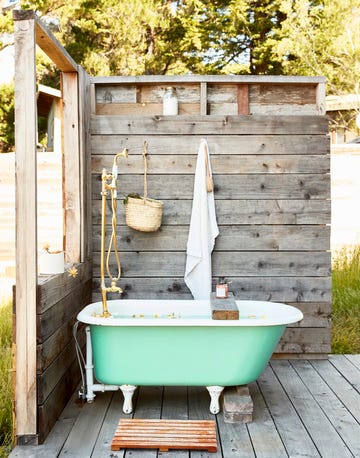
[[269, 150]]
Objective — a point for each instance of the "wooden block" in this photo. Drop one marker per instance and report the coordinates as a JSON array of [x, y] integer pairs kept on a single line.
[[165, 434], [237, 405], [224, 309]]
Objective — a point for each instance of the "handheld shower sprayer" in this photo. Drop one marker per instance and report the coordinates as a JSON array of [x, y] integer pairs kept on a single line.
[[109, 183]]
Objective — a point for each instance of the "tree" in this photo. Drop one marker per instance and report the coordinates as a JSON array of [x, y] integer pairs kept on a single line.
[[322, 38], [7, 134], [295, 37]]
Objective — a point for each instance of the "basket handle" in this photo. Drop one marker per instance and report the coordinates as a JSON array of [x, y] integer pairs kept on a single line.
[[145, 153]]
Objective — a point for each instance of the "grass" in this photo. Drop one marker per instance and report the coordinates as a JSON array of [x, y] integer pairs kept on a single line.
[[346, 301], [5, 379]]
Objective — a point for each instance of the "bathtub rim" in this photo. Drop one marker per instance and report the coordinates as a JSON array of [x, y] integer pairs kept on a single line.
[[281, 314]]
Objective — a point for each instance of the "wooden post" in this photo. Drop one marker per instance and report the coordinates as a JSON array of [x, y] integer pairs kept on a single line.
[[26, 226], [85, 104], [203, 99], [320, 98], [71, 168]]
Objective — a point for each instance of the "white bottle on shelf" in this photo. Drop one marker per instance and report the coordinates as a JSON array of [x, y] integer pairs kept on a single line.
[[170, 102]]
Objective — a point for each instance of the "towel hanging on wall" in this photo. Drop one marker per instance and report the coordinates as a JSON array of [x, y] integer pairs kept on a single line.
[[203, 228]]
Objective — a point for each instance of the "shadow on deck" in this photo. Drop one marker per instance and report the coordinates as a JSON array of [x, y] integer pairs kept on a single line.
[[301, 408]]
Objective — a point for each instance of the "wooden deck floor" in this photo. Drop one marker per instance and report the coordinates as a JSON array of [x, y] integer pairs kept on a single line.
[[301, 408]]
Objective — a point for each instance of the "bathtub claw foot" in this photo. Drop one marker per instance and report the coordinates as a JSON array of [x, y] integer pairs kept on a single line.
[[128, 391], [215, 392]]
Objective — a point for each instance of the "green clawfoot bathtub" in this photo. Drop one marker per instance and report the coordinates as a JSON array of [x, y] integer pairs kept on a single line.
[[175, 342]]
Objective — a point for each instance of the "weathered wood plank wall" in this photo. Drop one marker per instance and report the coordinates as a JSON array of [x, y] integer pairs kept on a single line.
[[272, 189], [61, 297]]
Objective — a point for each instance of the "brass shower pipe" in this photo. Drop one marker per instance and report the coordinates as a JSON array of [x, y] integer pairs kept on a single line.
[[109, 183]]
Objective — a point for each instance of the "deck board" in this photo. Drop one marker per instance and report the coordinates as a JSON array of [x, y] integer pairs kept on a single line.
[[341, 419], [325, 437], [301, 408], [289, 425]]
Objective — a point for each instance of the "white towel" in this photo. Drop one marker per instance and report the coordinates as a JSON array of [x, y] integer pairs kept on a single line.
[[203, 231]]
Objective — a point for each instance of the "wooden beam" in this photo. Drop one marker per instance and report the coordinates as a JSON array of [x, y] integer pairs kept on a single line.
[[26, 229], [203, 99], [320, 98], [85, 106], [47, 42], [71, 170]]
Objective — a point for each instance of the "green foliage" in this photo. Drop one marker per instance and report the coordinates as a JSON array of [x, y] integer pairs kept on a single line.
[[7, 135], [108, 37], [5, 379], [346, 302], [321, 38]]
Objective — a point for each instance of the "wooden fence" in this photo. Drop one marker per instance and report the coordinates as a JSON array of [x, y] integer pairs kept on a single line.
[[272, 189]]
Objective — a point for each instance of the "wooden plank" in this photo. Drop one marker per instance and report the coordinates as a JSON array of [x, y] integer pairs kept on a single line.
[[216, 109], [175, 406], [203, 99], [143, 109], [320, 98], [52, 289], [47, 380], [227, 187], [311, 291], [315, 421], [341, 387], [56, 438], [85, 168], [148, 406], [200, 125], [343, 422], [283, 110], [263, 434], [108, 427], [51, 320], [348, 370], [235, 439], [243, 99], [165, 435], [84, 433], [218, 145], [231, 238], [238, 211], [52, 407], [199, 403], [186, 93], [71, 173], [265, 264], [287, 422], [305, 340], [292, 94], [47, 42], [354, 359], [224, 308], [221, 164], [26, 225], [316, 314], [230, 79], [49, 350]]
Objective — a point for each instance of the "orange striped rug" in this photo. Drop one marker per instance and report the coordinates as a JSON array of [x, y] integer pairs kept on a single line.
[[165, 434]]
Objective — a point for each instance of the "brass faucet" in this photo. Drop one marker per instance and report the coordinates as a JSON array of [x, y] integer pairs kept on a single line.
[[109, 183]]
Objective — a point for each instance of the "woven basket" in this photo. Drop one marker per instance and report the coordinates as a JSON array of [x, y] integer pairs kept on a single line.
[[143, 214]]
